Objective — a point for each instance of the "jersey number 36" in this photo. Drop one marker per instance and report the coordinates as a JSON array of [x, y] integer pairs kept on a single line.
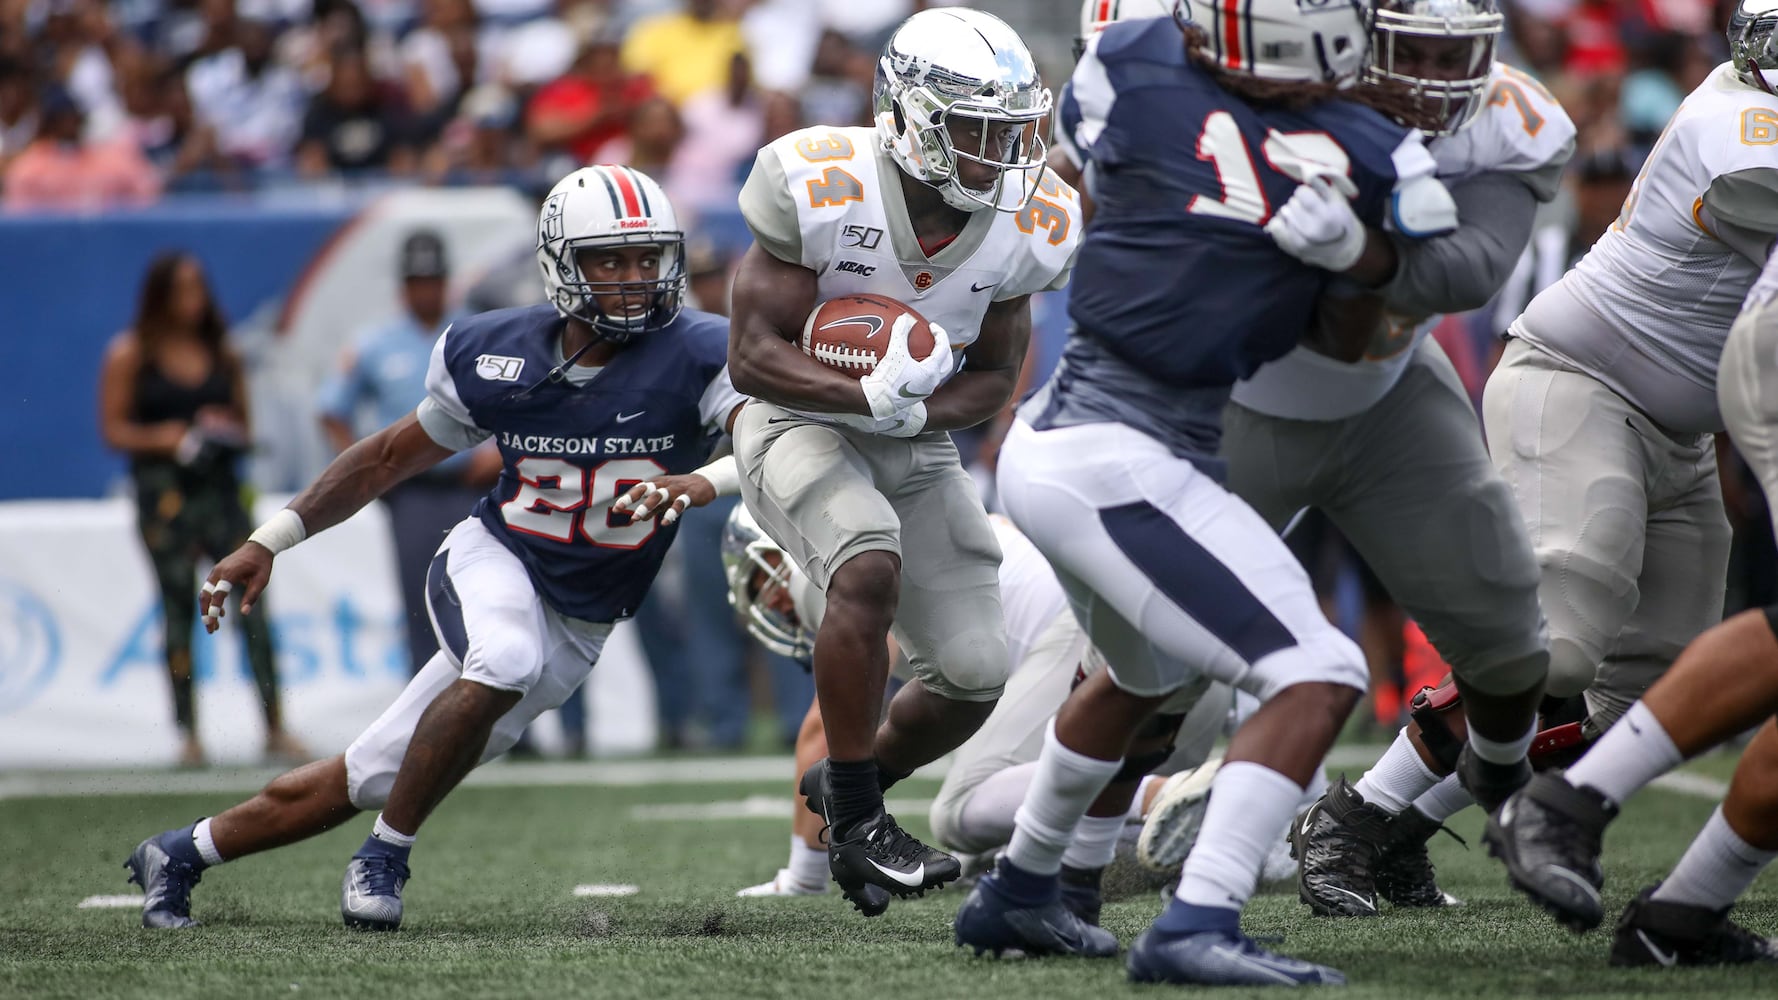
[[559, 500]]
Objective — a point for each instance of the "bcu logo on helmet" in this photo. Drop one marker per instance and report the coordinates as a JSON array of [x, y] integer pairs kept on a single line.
[[30, 646]]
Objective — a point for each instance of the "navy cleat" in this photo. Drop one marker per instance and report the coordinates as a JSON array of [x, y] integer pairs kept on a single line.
[[166, 880], [1220, 958], [1083, 893], [370, 897], [991, 920]]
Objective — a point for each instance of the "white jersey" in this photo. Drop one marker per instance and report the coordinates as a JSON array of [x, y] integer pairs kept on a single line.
[[1520, 130], [1646, 311], [830, 200]]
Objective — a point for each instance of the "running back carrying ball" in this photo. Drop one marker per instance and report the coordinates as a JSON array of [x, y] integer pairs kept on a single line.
[[849, 334]]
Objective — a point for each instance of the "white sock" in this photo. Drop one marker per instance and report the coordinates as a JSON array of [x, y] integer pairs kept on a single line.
[[1446, 799], [808, 865], [1495, 752], [1317, 788], [1065, 784], [1138, 803], [1250, 805], [388, 834], [206, 844], [1094, 843], [1398, 778], [1716, 869], [1632, 753]]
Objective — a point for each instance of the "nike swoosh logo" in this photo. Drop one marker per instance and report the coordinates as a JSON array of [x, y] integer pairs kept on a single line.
[[912, 879], [982, 288], [624, 418], [905, 394], [356, 900], [1666, 958], [874, 322]]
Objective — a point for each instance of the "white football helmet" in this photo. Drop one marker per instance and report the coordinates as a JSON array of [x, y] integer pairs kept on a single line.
[[1096, 14], [609, 206], [1442, 50], [1753, 43], [1307, 41], [952, 63], [748, 551]]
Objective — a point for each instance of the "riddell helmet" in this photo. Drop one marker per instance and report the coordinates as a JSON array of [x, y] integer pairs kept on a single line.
[[1306, 41], [952, 62], [1753, 43], [1096, 14], [602, 207], [745, 552], [1458, 31]]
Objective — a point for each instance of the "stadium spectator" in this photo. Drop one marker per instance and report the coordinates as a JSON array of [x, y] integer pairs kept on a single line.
[[18, 110], [651, 145], [723, 131], [684, 54], [356, 124], [441, 59], [540, 50], [173, 397], [588, 107], [380, 379], [162, 123], [60, 170], [480, 145], [252, 103]]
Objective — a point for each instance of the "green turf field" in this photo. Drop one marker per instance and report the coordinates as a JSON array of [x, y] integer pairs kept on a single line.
[[491, 913]]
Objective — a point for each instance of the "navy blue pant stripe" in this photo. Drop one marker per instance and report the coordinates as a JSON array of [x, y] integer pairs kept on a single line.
[[447, 610], [1195, 580]]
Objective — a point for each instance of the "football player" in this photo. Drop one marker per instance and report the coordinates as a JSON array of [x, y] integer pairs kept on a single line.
[[943, 204], [1602, 412], [1725, 683], [1389, 447], [1048, 654], [1237, 130], [609, 384]]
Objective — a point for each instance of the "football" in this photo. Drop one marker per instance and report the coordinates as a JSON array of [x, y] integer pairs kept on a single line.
[[850, 333]]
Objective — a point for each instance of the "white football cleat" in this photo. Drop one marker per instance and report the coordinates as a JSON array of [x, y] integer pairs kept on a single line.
[[1171, 826], [782, 884]]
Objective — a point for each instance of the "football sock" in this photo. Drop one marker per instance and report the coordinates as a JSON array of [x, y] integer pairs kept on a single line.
[[1094, 843], [808, 865], [854, 789], [385, 839], [206, 844], [1495, 752], [1181, 917], [181, 847], [1023, 888], [1317, 788], [886, 778], [1065, 784], [1716, 869], [1250, 805], [1398, 778], [1444, 800], [1149, 786], [1631, 754]]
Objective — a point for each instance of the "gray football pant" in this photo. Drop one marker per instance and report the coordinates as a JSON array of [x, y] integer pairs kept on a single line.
[[1409, 483], [1747, 394], [1626, 520]]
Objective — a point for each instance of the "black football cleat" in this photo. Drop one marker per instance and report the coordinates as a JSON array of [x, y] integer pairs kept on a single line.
[[1654, 932], [1336, 842], [1404, 873], [873, 859], [1549, 836], [1489, 783]]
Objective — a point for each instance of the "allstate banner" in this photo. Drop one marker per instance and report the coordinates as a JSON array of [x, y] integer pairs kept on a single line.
[[83, 681]]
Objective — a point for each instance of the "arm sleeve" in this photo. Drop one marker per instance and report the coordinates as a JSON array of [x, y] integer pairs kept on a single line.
[[718, 401], [442, 413], [770, 212], [1462, 270], [1743, 210]]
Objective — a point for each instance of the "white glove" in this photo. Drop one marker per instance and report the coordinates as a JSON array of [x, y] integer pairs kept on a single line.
[[1317, 225], [899, 381], [905, 424]]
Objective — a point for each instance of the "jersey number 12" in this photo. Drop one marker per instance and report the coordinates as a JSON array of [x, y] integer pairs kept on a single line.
[[1296, 155]]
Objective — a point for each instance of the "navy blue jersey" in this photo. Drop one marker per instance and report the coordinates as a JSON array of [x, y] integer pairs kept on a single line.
[[1176, 275], [570, 450]]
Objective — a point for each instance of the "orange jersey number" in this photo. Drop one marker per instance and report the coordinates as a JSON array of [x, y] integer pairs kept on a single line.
[[836, 187]]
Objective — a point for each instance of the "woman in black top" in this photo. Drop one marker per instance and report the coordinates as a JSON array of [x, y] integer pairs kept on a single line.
[[173, 398]]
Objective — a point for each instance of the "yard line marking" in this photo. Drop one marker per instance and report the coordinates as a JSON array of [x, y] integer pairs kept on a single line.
[[1695, 785], [773, 807], [606, 889], [125, 902]]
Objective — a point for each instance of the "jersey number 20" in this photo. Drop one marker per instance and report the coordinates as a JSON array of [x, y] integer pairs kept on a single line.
[[559, 500], [1296, 155]]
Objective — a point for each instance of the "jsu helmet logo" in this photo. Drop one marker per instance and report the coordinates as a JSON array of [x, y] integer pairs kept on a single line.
[[30, 646], [499, 368]]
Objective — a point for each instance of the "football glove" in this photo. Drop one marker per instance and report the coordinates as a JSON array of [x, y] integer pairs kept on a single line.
[[1317, 225], [899, 380]]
